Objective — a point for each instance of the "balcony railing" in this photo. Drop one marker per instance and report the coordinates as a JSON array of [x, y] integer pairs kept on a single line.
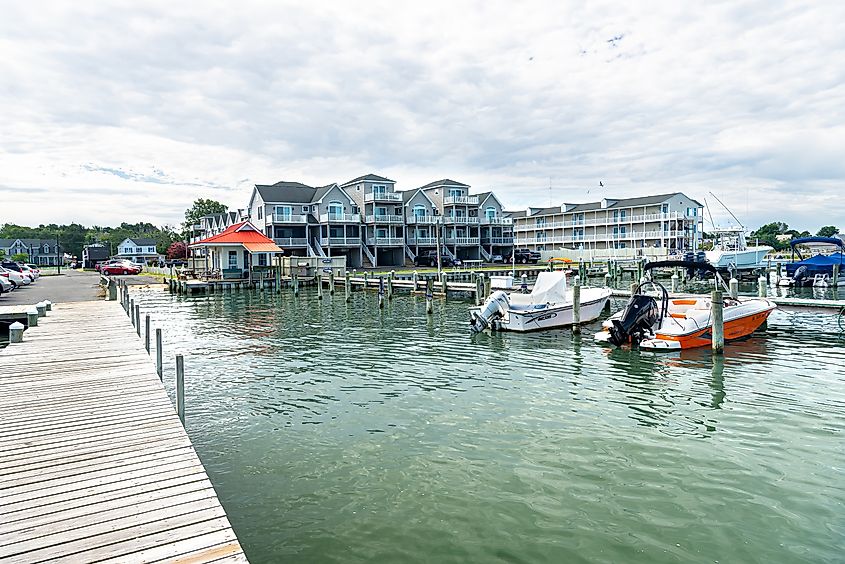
[[609, 220], [386, 241], [290, 241], [385, 219], [630, 236], [497, 240], [340, 218], [460, 201], [421, 219], [340, 241], [288, 218], [496, 220], [462, 240], [422, 241], [460, 220], [382, 197]]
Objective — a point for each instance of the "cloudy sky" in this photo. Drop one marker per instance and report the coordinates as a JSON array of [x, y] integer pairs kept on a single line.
[[129, 111]]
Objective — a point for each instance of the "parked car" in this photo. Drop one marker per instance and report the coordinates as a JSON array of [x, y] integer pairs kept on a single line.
[[429, 258], [5, 285], [27, 277], [16, 278], [497, 258], [33, 274], [119, 268], [524, 256]]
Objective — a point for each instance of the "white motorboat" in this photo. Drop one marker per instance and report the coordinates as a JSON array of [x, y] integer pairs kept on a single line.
[[548, 306], [731, 251]]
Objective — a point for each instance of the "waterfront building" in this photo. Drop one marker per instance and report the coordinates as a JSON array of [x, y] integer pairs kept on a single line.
[[138, 249], [673, 222], [383, 224], [237, 249], [39, 251], [93, 254]]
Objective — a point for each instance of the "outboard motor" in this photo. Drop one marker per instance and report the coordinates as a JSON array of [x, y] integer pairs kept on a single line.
[[494, 307], [689, 256], [800, 275], [640, 315]]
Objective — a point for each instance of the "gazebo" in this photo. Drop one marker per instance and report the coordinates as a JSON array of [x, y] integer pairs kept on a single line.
[[237, 250]]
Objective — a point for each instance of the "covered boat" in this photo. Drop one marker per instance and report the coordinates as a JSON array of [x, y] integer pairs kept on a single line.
[[817, 270], [653, 320], [548, 306]]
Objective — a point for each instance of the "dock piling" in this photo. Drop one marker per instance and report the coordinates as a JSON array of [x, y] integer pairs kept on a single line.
[[41, 307], [835, 280], [716, 305], [444, 283], [734, 287], [488, 285], [381, 292], [158, 354], [147, 332], [761, 286], [16, 332], [112, 290], [415, 278], [320, 286], [131, 311], [331, 283], [390, 284], [138, 319], [675, 281], [429, 297], [295, 279], [180, 388], [347, 287], [576, 305]]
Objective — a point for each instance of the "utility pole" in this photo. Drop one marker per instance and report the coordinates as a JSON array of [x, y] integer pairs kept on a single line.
[[58, 255]]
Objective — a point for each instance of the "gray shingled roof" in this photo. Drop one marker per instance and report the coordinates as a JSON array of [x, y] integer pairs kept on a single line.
[[286, 192], [320, 192], [612, 203], [368, 178], [520, 213], [143, 241], [444, 182], [5, 243]]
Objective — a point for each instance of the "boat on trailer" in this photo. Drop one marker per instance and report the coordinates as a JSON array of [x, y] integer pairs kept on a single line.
[[817, 270], [732, 252], [654, 321], [548, 306]]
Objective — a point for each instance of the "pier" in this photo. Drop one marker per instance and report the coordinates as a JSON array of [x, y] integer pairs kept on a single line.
[[96, 464]]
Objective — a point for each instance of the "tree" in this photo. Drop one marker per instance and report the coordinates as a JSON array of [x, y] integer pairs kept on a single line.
[[200, 208], [768, 234], [20, 257], [177, 250], [2, 254], [827, 231]]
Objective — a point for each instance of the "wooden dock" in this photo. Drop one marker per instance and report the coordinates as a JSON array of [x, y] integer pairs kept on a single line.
[[95, 463]]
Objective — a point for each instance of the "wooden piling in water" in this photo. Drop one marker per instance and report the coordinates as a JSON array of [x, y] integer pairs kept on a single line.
[[716, 313], [320, 286], [147, 332], [295, 280], [331, 283], [761, 287], [180, 388], [429, 296], [381, 292], [576, 305], [131, 311], [347, 287], [138, 319], [835, 281], [390, 284], [159, 357]]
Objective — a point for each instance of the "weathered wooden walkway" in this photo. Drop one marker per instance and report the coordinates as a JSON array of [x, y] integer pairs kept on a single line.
[[94, 462]]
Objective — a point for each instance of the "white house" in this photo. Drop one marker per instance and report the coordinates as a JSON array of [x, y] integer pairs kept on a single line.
[[138, 249]]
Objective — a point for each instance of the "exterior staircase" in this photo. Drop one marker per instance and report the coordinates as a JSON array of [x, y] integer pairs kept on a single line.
[[409, 253], [369, 256], [488, 257], [318, 249], [448, 252]]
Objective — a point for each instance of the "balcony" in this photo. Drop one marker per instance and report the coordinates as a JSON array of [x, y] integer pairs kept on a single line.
[[496, 221], [291, 241], [382, 197], [459, 220], [287, 218], [393, 219], [462, 241], [421, 219], [386, 241], [497, 240], [424, 241], [529, 225], [340, 218], [340, 241], [610, 237], [460, 201]]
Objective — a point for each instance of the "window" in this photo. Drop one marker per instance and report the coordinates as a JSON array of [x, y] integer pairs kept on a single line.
[[380, 211], [379, 189], [138, 250], [233, 259], [419, 211], [490, 212], [151, 249], [282, 213], [262, 259], [455, 192], [381, 233], [541, 221], [260, 211], [615, 216], [664, 208], [305, 209], [397, 210], [335, 211], [622, 214]]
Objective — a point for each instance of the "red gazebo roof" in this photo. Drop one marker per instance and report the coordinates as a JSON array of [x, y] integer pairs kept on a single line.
[[245, 234]]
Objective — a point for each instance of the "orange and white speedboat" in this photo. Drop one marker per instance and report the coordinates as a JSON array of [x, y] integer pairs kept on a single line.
[[655, 321]]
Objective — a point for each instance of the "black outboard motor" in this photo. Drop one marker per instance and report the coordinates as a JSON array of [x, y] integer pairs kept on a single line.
[[800, 275], [640, 315], [689, 256]]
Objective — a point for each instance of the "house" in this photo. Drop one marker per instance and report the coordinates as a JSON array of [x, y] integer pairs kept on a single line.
[[669, 221], [238, 249], [93, 254], [38, 251], [138, 249], [381, 209]]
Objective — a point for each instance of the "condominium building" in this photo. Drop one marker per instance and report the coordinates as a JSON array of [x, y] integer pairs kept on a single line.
[[668, 221]]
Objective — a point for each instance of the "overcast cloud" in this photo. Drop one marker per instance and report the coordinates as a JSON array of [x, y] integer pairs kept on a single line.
[[115, 112]]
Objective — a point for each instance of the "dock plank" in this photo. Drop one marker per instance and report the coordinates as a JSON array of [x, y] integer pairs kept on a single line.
[[96, 464]]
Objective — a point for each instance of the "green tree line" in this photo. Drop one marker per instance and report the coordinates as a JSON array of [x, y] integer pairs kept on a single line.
[[768, 234]]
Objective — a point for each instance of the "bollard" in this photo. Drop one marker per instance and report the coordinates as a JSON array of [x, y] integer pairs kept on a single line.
[[347, 286], [576, 305], [734, 287], [523, 287], [381, 292], [32, 317], [158, 354], [147, 332], [761, 286], [320, 286], [278, 280], [718, 331], [112, 291], [138, 319], [429, 297], [16, 332], [49, 305], [415, 277], [366, 279], [180, 388], [331, 283], [131, 311], [479, 289], [41, 307], [674, 282], [607, 278]]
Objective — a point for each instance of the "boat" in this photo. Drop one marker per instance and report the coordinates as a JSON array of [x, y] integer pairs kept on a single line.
[[548, 306], [654, 321], [817, 270], [731, 251]]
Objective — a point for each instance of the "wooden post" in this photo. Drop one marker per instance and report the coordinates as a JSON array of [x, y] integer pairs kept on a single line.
[[278, 274], [488, 286], [835, 281], [180, 388], [366, 279], [634, 287], [320, 286], [331, 283], [16, 332], [147, 332], [112, 290], [295, 277], [381, 292], [718, 331], [444, 284], [576, 305], [414, 277], [429, 296], [131, 311], [733, 285], [761, 286], [479, 290], [390, 284], [347, 287], [158, 354], [41, 308]]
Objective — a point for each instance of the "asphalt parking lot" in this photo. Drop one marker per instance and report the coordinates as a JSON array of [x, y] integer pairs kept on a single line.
[[69, 286]]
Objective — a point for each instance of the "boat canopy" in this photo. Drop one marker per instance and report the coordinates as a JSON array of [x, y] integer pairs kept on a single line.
[[836, 241], [550, 288]]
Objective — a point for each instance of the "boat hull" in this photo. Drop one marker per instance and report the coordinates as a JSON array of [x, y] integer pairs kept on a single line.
[[733, 329], [593, 302], [751, 257]]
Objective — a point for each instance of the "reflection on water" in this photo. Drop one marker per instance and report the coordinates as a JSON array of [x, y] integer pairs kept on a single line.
[[341, 432]]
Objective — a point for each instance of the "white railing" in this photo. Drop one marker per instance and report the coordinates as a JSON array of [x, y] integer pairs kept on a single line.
[[382, 197], [528, 225], [496, 221], [633, 236], [385, 241], [291, 241], [288, 218], [422, 241], [340, 241], [460, 201], [385, 219], [460, 220], [498, 240], [462, 240], [340, 217], [421, 219]]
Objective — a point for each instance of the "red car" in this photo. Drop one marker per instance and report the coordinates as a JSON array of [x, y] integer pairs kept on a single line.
[[124, 268]]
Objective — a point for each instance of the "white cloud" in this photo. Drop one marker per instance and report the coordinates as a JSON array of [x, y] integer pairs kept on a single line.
[[116, 111]]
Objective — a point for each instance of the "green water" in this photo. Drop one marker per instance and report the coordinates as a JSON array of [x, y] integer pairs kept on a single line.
[[336, 432]]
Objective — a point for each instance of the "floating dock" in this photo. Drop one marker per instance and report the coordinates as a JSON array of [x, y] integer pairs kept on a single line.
[[96, 464]]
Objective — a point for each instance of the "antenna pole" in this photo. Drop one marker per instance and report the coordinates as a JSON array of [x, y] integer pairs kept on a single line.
[[728, 210]]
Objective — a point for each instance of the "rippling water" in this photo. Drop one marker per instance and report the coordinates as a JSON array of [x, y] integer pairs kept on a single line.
[[336, 432]]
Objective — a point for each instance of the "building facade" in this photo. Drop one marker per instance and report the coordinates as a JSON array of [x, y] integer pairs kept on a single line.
[[39, 251], [673, 222], [138, 249]]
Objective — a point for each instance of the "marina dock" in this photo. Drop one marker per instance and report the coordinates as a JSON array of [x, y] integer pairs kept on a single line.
[[96, 464]]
